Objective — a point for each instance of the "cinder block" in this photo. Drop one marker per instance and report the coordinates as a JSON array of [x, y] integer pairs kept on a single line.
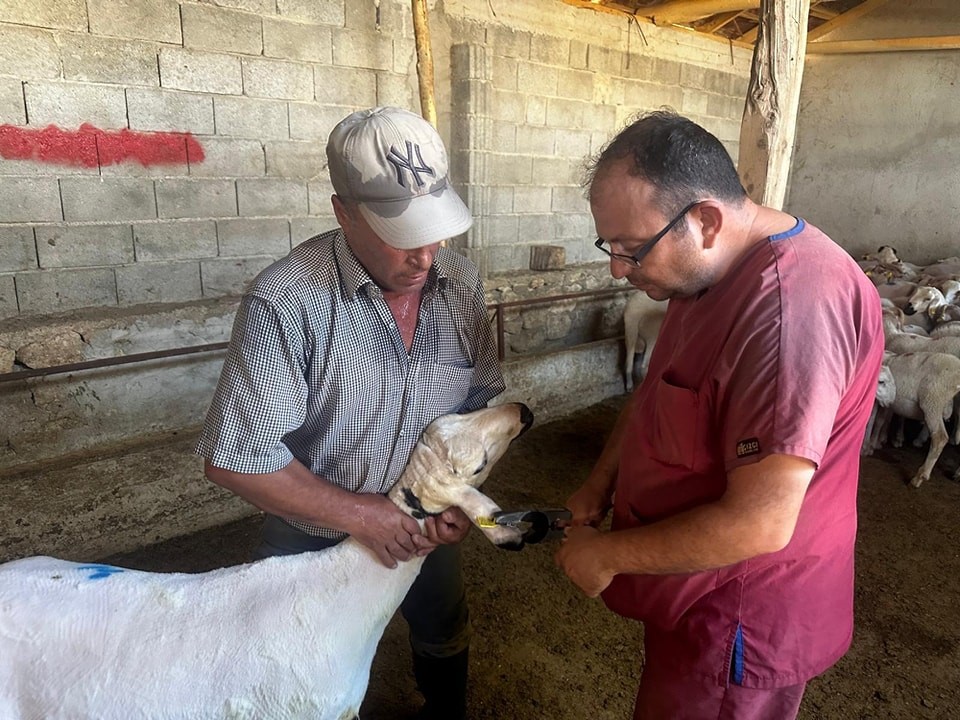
[[501, 230], [725, 106], [509, 43], [251, 117], [509, 106], [305, 160], [572, 143], [532, 140], [561, 171], [575, 84], [69, 105], [652, 69], [573, 225], [18, 251], [12, 109], [568, 199], [535, 111], [277, 79], [160, 282], [509, 169], [175, 240], [353, 48], [533, 78], [99, 59], [271, 197], [345, 86], [29, 200], [503, 258], [229, 158], [503, 137], [27, 53], [50, 291], [565, 113], [651, 96], [535, 228], [196, 198], [405, 56], [398, 90], [229, 276], [200, 71], [220, 30], [63, 14], [328, 12], [294, 41], [8, 297], [604, 60], [244, 237], [84, 245], [693, 102], [170, 111], [304, 228], [314, 122], [531, 199], [600, 117], [395, 17], [107, 199], [154, 20], [550, 50], [504, 73], [578, 55]]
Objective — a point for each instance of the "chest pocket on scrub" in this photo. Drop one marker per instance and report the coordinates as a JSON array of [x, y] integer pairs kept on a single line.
[[676, 425]]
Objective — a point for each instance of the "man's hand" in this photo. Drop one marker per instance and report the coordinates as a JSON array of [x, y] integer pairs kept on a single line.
[[581, 557], [588, 505], [385, 529], [449, 527]]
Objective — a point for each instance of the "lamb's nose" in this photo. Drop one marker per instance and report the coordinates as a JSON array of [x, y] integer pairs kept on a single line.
[[526, 417]]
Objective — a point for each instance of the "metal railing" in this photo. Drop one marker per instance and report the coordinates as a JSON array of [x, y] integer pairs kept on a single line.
[[498, 312]]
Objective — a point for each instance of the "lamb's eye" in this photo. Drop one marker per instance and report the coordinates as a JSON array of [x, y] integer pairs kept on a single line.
[[482, 466]]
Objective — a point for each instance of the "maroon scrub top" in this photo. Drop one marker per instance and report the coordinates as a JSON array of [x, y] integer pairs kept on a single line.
[[780, 357]]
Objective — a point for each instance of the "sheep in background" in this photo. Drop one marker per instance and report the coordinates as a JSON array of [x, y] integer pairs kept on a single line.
[[926, 388], [286, 637], [881, 414], [642, 317]]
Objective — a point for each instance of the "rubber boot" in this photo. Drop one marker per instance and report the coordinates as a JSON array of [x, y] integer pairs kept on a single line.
[[443, 684]]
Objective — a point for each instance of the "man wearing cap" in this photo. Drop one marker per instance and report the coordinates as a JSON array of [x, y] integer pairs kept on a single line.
[[341, 354]]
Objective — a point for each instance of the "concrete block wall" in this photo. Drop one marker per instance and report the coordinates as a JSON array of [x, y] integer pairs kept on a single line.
[[256, 84], [248, 90]]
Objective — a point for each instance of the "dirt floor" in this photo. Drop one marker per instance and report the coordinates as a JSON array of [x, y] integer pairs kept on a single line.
[[542, 650]]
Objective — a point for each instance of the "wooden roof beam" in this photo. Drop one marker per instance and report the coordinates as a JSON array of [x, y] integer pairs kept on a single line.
[[845, 47], [684, 11], [844, 18], [718, 22], [613, 8]]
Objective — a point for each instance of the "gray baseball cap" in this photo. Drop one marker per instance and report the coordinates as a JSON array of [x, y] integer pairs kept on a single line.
[[392, 163]]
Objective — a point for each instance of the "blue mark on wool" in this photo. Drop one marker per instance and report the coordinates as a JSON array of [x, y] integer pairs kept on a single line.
[[99, 572]]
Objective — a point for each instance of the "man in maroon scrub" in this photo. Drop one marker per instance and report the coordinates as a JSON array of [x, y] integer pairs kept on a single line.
[[732, 470]]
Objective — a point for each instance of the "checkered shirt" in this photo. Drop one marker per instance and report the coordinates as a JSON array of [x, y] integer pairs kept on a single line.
[[316, 369]]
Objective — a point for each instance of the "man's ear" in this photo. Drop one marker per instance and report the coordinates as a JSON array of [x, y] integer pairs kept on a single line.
[[710, 215], [343, 213]]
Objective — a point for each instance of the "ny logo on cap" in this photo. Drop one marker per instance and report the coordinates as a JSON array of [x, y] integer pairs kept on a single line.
[[401, 163]]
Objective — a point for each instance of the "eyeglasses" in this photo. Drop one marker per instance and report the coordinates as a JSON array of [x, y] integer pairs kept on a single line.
[[635, 259]]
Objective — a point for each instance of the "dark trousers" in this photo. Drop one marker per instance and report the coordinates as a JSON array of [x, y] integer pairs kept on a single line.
[[436, 606]]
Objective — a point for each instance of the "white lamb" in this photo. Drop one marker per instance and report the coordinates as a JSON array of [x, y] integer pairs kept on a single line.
[[926, 387], [282, 638], [642, 318]]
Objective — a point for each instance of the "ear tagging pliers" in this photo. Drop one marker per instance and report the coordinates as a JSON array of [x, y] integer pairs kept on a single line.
[[534, 525]]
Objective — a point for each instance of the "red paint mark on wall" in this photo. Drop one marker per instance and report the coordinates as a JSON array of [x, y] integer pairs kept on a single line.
[[92, 147]]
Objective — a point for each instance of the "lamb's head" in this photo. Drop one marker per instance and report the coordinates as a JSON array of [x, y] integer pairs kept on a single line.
[[887, 255], [922, 298], [886, 387], [454, 456]]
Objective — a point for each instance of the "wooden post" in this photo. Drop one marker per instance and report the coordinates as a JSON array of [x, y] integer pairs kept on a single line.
[[770, 116], [421, 31]]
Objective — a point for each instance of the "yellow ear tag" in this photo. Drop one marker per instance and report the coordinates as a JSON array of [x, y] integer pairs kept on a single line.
[[485, 521]]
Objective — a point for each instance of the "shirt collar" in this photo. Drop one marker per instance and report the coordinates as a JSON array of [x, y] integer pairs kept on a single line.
[[356, 278]]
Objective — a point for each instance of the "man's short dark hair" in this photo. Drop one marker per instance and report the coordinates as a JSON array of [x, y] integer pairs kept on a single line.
[[682, 160]]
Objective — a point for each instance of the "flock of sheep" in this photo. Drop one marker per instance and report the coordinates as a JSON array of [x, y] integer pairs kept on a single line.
[[920, 377]]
